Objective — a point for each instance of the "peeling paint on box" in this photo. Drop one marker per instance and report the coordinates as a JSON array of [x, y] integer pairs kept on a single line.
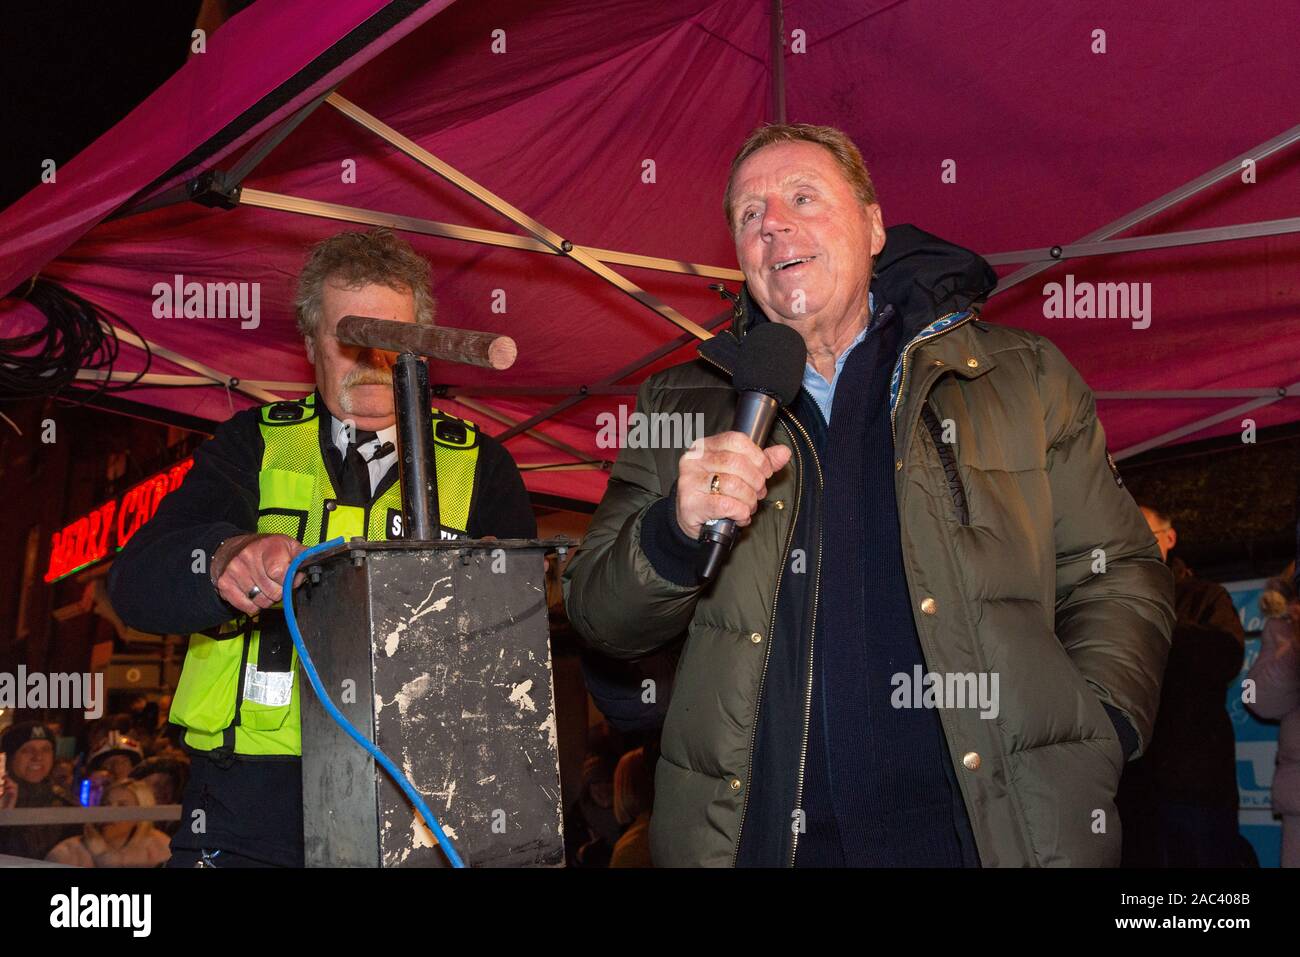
[[460, 675], [519, 695], [549, 727], [391, 642]]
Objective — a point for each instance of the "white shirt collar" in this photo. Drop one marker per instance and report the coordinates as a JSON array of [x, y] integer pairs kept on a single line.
[[339, 435]]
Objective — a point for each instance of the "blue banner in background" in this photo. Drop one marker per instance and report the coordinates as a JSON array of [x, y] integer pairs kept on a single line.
[[1256, 740]]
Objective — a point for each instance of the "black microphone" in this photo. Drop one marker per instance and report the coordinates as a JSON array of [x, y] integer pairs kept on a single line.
[[768, 375]]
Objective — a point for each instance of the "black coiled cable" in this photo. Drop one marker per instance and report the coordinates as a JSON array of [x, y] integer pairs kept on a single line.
[[77, 335]]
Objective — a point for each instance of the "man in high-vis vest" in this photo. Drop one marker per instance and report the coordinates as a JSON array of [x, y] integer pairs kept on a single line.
[[271, 482]]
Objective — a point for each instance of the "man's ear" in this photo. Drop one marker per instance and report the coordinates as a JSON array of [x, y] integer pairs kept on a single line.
[[309, 342], [1173, 538], [877, 221]]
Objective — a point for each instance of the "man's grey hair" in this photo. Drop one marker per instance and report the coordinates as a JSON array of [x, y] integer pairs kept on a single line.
[[354, 259]]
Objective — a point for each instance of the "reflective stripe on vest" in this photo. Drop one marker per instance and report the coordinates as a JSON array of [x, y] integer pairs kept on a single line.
[[297, 498]]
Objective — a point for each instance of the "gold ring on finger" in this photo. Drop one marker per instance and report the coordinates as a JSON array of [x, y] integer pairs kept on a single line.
[[715, 484]]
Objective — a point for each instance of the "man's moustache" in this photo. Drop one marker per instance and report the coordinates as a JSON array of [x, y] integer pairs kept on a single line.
[[368, 378]]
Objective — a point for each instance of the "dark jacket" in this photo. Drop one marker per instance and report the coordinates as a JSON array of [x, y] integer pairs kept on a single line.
[[1001, 537], [1193, 754]]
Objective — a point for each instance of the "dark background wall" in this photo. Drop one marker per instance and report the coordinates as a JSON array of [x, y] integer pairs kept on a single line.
[[1233, 504]]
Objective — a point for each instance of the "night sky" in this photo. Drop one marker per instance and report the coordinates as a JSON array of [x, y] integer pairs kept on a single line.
[[70, 69]]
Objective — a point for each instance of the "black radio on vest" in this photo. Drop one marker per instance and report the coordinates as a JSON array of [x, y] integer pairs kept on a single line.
[[769, 373]]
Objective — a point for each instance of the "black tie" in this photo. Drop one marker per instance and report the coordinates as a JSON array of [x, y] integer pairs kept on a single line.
[[355, 476]]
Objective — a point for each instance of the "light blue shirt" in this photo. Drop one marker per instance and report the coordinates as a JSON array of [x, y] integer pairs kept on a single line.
[[823, 392]]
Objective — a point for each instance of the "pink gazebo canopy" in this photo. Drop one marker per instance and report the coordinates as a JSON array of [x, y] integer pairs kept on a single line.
[[610, 125]]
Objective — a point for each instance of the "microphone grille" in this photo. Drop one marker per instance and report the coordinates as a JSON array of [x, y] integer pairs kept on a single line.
[[772, 359]]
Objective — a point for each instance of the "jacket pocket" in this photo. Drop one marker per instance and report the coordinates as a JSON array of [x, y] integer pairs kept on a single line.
[[1105, 738], [949, 462], [205, 694]]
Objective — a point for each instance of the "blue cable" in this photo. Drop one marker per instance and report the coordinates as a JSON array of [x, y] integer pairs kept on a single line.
[[380, 758]]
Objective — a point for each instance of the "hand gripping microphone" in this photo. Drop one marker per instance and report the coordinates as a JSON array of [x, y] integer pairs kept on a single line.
[[768, 375]]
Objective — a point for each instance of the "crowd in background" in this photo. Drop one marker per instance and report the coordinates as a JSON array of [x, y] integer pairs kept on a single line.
[[127, 759], [133, 759], [609, 824]]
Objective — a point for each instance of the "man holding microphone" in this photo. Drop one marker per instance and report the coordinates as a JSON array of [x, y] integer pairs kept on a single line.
[[937, 500]]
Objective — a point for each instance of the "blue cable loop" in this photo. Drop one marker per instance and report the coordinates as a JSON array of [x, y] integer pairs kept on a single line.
[[310, 669]]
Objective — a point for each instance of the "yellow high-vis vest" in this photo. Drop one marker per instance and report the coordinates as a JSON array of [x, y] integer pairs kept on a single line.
[[230, 698]]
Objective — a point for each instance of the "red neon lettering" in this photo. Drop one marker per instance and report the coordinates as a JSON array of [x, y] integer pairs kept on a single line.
[[140, 506], [105, 529], [143, 511], [78, 530], [52, 572], [177, 474], [160, 490], [128, 508], [91, 537]]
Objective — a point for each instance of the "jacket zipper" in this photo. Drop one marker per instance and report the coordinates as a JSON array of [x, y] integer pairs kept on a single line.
[[812, 638], [767, 656]]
